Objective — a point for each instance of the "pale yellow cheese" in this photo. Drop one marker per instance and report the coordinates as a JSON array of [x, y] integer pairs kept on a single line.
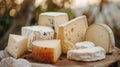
[[72, 32], [46, 50], [52, 19], [17, 45], [101, 35]]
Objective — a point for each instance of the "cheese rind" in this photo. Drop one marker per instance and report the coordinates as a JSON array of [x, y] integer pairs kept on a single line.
[[52, 19], [21, 63], [87, 54], [112, 39], [17, 45], [84, 44], [101, 35], [46, 50], [37, 33], [2, 54], [72, 32], [12, 62]]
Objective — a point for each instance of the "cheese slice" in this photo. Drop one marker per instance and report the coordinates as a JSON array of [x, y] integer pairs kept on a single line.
[[72, 32], [87, 54], [46, 50], [52, 19], [17, 45], [101, 35], [37, 33], [84, 44]]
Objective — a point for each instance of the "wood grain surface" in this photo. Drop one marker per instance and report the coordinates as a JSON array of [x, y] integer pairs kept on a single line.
[[64, 62]]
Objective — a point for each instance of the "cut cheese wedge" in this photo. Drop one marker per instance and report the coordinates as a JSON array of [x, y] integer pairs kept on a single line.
[[17, 45], [84, 44], [101, 35], [53, 19], [87, 54], [46, 50], [37, 33], [72, 32]]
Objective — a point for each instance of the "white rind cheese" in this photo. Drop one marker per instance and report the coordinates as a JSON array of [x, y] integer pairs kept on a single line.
[[87, 54], [53, 13], [12, 62], [112, 39], [72, 32], [84, 44], [17, 45], [101, 35], [52, 19], [21, 63], [37, 33]]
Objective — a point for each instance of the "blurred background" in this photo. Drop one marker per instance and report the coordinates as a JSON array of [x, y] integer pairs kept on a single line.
[[17, 13]]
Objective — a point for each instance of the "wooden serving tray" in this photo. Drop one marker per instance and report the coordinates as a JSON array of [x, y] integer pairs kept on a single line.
[[64, 62]]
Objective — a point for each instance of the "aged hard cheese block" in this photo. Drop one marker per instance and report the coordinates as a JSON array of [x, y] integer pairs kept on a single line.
[[101, 35], [46, 50], [52, 19], [84, 44], [17, 45], [72, 32], [87, 54], [37, 33]]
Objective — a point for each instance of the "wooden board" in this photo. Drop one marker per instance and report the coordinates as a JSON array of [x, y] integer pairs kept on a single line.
[[64, 62]]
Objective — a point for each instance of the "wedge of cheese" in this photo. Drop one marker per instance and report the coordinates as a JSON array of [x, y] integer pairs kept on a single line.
[[72, 32], [87, 54], [84, 44], [17, 45], [46, 50], [37, 33], [101, 35], [53, 19]]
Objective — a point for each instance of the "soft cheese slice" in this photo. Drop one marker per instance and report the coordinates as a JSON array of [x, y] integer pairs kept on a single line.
[[84, 44], [37, 33], [72, 32], [53, 19], [46, 50], [101, 35], [17, 45], [87, 54]]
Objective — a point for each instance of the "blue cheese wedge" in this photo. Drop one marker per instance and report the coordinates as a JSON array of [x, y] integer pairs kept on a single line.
[[37, 33], [52, 19]]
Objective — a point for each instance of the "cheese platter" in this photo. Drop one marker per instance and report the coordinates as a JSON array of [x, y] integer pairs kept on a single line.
[[61, 43]]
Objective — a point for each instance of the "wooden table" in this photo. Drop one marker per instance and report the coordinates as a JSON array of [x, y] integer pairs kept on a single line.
[[63, 62]]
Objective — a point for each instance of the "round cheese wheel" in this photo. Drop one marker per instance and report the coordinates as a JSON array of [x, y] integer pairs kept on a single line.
[[101, 35]]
